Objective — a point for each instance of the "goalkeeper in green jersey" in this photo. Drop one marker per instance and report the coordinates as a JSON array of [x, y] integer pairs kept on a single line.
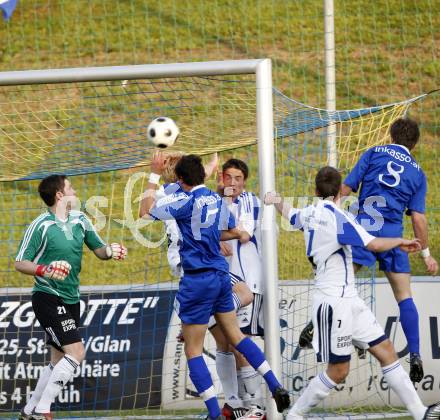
[[51, 251]]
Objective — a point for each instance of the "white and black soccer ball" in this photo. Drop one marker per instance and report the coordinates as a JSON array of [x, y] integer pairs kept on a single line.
[[162, 132]]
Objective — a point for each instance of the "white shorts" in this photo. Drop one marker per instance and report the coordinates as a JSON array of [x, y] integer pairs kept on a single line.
[[250, 318], [339, 323]]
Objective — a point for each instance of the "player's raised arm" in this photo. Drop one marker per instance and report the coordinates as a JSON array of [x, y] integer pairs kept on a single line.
[[158, 162], [385, 244], [286, 210], [345, 190], [350, 232], [420, 227]]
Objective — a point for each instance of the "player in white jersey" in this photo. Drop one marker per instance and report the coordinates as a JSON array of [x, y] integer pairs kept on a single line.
[[244, 259], [340, 318]]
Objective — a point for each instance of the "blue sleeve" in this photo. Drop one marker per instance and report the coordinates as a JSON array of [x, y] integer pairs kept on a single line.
[[173, 206], [357, 174], [350, 232], [418, 200], [232, 223], [295, 219]]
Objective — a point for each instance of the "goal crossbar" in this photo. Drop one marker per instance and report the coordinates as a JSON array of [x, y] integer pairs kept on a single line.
[[142, 71]]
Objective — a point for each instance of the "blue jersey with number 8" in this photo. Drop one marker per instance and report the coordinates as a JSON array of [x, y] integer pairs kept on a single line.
[[392, 182]]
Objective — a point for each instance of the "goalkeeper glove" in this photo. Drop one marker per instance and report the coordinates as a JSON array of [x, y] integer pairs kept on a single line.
[[56, 270], [116, 251]]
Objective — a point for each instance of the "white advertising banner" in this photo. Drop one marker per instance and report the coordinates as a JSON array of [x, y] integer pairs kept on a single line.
[[364, 387]]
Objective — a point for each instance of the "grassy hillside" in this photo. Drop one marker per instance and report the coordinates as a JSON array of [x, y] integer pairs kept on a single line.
[[387, 50]]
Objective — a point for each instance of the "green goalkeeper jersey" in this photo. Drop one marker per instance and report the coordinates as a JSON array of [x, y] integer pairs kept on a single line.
[[50, 239]]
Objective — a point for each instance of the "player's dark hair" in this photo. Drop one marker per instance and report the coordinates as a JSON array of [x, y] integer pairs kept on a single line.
[[49, 186], [328, 182], [190, 170], [406, 132], [236, 164]]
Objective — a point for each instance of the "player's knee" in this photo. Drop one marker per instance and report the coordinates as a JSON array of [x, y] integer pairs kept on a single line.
[[191, 352], [244, 293], [77, 351], [234, 335], [384, 352], [337, 372]]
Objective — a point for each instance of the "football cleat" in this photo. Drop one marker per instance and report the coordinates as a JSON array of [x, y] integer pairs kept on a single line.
[[432, 412], [416, 368], [24, 416], [254, 413], [41, 416], [282, 399], [231, 413], [306, 336]]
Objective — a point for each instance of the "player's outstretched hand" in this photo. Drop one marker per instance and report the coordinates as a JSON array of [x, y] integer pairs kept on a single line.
[[212, 166], [431, 265], [56, 270], [410, 245], [116, 251], [158, 162], [272, 197]]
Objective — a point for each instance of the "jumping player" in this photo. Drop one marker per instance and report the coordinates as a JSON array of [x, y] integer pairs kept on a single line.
[[340, 318]]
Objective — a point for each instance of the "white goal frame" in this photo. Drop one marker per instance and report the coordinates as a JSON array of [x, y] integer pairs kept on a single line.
[[262, 69]]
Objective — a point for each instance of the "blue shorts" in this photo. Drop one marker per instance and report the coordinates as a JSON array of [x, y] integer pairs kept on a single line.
[[395, 260], [202, 294]]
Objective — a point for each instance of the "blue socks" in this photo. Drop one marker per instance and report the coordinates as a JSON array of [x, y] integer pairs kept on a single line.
[[409, 318], [257, 360], [201, 378]]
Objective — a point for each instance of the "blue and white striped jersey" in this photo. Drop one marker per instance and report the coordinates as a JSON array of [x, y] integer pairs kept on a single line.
[[329, 233], [245, 261]]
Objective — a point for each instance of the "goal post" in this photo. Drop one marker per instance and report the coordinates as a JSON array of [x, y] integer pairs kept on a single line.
[[261, 68]]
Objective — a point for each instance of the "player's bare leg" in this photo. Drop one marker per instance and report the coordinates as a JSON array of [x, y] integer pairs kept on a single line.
[[229, 325], [409, 319]]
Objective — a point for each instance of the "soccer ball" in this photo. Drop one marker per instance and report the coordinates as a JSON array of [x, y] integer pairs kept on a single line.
[[162, 132]]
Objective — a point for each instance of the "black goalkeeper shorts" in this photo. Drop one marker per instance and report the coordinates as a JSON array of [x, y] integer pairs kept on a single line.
[[59, 320]]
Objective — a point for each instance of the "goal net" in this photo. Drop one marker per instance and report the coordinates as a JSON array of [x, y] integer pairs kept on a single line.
[[95, 132]]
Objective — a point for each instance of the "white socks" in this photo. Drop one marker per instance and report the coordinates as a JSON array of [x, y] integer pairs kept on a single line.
[[249, 387], [61, 374], [399, 382], [317, 389], [396, 377], [226, 371], [38, 391]]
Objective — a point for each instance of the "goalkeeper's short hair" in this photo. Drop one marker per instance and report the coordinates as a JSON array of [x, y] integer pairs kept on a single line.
[[49, 187]]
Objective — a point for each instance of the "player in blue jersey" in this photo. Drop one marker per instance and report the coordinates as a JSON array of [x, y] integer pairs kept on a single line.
[[205, 288], [242, 296], [340, 317], [391, 183]]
